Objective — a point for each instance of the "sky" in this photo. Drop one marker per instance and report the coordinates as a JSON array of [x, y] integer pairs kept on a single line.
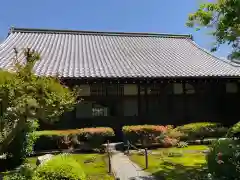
[[158, 16]]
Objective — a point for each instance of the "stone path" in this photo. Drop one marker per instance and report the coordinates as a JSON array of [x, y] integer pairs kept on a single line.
[[124, 169]]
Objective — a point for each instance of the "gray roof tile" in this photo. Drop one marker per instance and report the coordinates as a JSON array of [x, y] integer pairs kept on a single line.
[[82, 54]]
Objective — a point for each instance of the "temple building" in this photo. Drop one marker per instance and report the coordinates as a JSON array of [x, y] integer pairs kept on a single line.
[[132, 78]]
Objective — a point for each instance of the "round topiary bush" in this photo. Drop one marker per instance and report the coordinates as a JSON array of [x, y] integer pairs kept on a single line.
[[224, 160], [60, 167]]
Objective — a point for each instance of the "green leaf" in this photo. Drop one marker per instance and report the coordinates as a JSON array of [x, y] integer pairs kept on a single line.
[[223, 16]]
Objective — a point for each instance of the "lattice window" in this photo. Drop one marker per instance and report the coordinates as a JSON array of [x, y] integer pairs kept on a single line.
[[98, 110]]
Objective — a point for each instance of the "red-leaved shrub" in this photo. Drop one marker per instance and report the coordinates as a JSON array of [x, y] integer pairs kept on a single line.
[[143, 134], [168, 142]]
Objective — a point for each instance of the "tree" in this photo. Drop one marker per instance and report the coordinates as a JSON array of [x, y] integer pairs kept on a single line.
[[224, 17], [25, 99]]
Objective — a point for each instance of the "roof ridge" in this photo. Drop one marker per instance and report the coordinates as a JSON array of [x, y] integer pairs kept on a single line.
[[36, 30], [211, 54], [224, 60]]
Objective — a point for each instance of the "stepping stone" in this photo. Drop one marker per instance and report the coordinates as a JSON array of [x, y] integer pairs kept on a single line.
[[43, 159]]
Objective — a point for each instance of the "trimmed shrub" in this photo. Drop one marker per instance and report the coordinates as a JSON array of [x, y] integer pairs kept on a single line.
[[18, 150], [60, 167], [170, 137], [24, 172], [64, 139], [96, 136], [224, 160], [201, 130], [14, 176], [167, 142], [143, 134], [234, 131], [174, 133]]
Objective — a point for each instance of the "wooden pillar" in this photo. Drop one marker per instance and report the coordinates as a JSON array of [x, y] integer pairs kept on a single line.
[[169, 92], [220, 100], [200, 90], [139, 100], [213, 95], [146, 99], [185, 108], [105, 87]]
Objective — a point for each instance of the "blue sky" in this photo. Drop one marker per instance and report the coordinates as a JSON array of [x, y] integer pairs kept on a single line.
[[162, 16]]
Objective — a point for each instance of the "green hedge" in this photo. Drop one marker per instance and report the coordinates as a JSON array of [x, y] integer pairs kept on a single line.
[[201, 130], [234, 131], [143, 134], [63, 139], [60, 167], [167, 136]]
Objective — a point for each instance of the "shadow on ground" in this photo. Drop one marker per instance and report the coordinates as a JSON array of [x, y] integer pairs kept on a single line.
[[142, 178], [172, 171]]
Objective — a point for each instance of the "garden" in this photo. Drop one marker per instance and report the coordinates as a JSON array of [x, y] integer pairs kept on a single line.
[[64, 151], [201, 151]]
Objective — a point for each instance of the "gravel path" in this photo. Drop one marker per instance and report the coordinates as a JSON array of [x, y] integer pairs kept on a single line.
[[125, 169]]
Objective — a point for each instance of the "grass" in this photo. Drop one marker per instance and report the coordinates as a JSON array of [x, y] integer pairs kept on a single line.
[[94, 165], [185, 163]]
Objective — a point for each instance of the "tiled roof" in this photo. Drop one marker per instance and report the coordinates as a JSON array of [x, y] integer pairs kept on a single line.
[[82, 54]]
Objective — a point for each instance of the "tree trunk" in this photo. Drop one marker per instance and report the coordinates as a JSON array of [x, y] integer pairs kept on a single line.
[[19, 126]]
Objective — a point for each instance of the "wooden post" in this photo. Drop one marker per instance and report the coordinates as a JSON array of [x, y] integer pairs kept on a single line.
[[109, 159], [185, 101], [139, 101], [146, 101], [146, 158]]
